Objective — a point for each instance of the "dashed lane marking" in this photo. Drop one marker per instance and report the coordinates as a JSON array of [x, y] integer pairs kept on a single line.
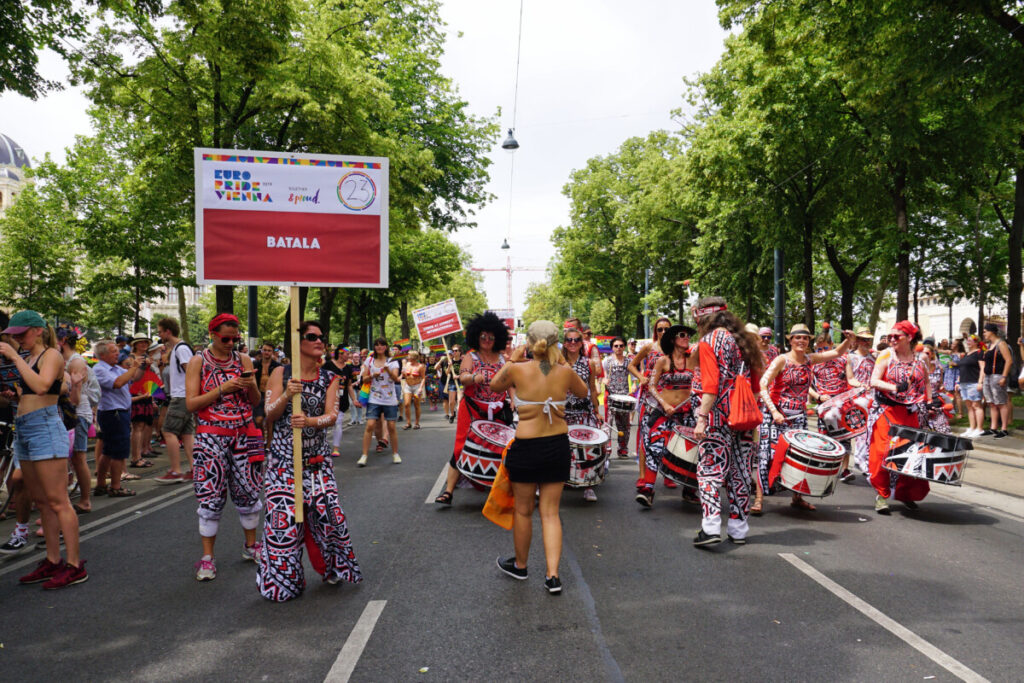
[[353, 648]]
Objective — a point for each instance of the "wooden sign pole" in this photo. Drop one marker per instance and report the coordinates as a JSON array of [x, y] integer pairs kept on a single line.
[[296, 405]]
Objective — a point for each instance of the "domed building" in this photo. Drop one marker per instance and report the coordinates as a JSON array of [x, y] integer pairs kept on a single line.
[[13, 162]]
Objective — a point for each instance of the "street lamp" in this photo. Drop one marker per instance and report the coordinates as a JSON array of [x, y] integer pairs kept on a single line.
[[949, 288], [511, 144]]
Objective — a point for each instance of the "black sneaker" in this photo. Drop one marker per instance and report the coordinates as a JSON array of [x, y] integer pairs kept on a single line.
[[847, 477], [15, 544], [645, 498], [508, 565], [703, 538], [451, 420], [987, 432], [553, 584], [1001, 434], [911, 505], [737, 541]]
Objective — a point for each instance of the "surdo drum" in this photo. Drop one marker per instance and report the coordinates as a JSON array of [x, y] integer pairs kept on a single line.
[[621, 403], [679, 463], [845, 415], [811, 462], [481, 454], [589, 455], [925, 454]]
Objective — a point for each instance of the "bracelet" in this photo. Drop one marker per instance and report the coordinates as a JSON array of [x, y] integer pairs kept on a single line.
[[220, 391], [701, 417]]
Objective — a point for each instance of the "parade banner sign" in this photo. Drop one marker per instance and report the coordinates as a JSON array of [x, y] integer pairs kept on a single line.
[[507, 315], [437, 320], [271, 218]]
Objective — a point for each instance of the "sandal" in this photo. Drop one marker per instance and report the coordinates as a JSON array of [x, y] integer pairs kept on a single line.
[[381, 445], [416, 426], [140, 463], [79, 510], [101, 491], [757, 509], [128, 476], [801, 504], [121, 493], [445, 498], [407, 426]]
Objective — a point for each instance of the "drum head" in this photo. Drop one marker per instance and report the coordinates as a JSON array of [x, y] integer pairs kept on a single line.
[[814, 443], [587, 436], [493, 432], [622, 398]]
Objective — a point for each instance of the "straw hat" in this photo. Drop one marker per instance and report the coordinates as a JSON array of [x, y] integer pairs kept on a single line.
[[865, 333], [799, 328]]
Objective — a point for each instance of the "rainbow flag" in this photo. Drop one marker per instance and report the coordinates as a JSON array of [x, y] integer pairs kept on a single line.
[[604, 343], [364, 394], [155, 390], [434, 348], [404, 345]]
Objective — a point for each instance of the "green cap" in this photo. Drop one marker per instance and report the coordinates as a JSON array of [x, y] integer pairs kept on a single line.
[[22, 320]]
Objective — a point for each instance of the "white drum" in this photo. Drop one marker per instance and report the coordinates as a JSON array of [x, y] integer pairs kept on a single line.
[[589, 456], [811, 462], [621, 403]]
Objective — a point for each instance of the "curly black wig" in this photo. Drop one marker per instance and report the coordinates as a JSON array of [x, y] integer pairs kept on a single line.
[[486, 322]]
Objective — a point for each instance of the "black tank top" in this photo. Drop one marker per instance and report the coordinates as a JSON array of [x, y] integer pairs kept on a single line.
[[54, 389]]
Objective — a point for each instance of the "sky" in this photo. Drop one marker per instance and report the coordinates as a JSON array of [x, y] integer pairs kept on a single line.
[[592, 74]]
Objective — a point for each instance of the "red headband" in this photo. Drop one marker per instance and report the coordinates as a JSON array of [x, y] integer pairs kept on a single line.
[[222, 318], [906, 327], [707, 310]]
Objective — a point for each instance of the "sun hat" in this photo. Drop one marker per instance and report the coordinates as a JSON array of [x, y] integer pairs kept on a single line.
[[667, 340], [139, 337], [865, 333], [22, 320], [799, 328], [751, 328]]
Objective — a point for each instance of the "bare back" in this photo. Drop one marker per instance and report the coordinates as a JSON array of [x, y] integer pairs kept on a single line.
[[532, 385]]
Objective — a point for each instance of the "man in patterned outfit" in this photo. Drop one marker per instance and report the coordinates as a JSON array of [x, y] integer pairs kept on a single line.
[[220, 387]]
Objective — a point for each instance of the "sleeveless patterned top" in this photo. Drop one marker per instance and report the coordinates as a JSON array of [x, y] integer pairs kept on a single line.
[[830, 377], [582, 368], [230, 410], [863, 366], [618, 376], [482, 392], [914, 372], [675, 379], [789, 390], [314, 403]]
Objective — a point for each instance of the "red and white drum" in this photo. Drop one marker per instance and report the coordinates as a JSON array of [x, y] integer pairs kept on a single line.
[[924, 454], [621, 403], [481, 454], [811, 462], [845, 415], [589, 455], [679, 463]]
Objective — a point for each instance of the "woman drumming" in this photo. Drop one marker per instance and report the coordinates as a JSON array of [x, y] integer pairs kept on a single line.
[[446, 368], [902, 394], [831, 378], [324, 531], [538, 458], [413, 382], [862, 361], [616, 381], [671, 381], [581, 411], [726, 352], [488, 336], [785, 386], [646, 358]]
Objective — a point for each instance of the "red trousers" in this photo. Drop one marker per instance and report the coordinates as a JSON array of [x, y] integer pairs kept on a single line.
[[907, 488]]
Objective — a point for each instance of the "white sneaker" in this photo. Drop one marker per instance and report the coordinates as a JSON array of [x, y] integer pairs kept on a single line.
[[396, 459], [362, 460], [206, 570], [589, 496]]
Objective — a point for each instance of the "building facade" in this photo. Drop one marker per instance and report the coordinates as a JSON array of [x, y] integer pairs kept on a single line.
[[13, 164]]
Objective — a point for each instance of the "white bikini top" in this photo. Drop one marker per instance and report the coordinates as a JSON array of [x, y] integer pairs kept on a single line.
[[548, 403]]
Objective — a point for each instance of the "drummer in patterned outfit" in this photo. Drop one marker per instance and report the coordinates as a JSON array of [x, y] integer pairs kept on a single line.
[[726, 350], [862, 361], [768, 350], [487, 337], [640, 367], [221, 389], [902, 397], [785, 386], [581, 411], [616, 381], [324, 531], [831, 378], [670, 385]]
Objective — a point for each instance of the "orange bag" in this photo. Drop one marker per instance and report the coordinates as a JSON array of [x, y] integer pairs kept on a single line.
[[500, 502], [744, 414]]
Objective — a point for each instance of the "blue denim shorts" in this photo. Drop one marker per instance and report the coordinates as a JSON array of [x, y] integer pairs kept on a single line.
[[375, 410], [81, 435], [40, 435], [969, 392]]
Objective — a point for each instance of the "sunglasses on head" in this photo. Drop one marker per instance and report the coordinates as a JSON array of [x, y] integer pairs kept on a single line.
[[230, 340], [312, 337]]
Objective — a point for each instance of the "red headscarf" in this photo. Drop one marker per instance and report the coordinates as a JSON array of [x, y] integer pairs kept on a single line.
[[906, 327], [222, 318]]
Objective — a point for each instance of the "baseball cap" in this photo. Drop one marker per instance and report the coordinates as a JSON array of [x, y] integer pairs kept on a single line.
[[22, 320]]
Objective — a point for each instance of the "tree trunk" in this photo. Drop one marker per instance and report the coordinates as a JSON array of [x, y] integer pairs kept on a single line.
[[1015, 242], [403, 313], [383, 320], [917, 291], [876, 303], [807, 269], [346, 329], [328, 295], [847, 283], [183, 314], [225, 297], [899, 198]]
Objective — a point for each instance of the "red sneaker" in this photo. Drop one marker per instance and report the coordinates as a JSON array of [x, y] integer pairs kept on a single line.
[[187, 476], [67, 576], [669, 484], [170, 478], [44, 571]]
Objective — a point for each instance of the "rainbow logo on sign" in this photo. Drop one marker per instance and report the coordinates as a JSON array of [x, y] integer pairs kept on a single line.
[[357, 191]]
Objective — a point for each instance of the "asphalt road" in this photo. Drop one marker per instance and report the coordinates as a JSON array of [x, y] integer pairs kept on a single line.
[[840, 593]]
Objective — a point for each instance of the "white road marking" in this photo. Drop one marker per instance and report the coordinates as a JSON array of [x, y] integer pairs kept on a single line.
[[353, 648], [104, 525], [442, 479], [903, 633]]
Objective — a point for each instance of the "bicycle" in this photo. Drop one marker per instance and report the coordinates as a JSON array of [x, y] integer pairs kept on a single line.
[[6, 464]]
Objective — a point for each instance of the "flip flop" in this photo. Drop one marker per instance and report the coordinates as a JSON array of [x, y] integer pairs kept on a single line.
[[79, 510], [128, 476], [121, 493], [140, 463]]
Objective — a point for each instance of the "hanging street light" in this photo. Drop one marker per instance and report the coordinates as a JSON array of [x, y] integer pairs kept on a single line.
[[510, 144], [504, 244]]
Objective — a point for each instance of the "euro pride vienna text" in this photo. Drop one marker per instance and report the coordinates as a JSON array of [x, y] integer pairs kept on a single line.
[[282, 209]]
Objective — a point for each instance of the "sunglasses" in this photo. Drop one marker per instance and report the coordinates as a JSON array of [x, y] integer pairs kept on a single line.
[[661, 329], [895, 337], [766, 337], [573, 340], [618, 346], [311, 337], [486, 336], [230, 340]]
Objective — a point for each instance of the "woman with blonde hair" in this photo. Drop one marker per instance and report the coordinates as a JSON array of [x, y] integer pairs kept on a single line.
[[538, 458], [413, 375]]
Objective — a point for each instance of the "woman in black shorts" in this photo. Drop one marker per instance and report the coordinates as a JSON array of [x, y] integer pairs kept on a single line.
[[539, 455]]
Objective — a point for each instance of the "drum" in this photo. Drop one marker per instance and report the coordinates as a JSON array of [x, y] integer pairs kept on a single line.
[[622, 403], [481, 454], [845, 415], [811, 462], [924, 454], [588, 446], [679, 463]]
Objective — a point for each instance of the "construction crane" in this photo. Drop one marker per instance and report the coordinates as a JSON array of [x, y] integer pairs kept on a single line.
[[508, 270]]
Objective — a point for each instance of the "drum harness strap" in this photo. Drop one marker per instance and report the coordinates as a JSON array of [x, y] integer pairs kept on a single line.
[[547, 403]]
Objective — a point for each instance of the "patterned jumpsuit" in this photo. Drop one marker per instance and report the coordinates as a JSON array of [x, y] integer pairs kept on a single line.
[[325, 531], [618, 383], [863, 366], [661, 427], [480, 403], [645, 402], [724, 454], [789, 394], [229, 452]]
